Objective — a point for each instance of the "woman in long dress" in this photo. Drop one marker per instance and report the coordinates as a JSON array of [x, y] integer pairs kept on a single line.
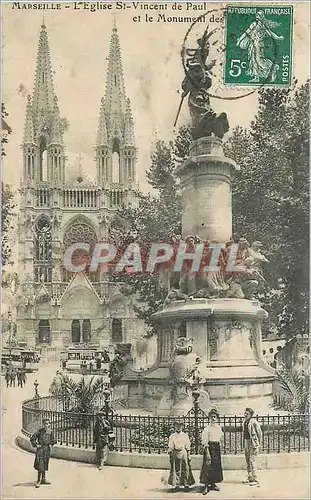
[[211, 471], [253, 40]]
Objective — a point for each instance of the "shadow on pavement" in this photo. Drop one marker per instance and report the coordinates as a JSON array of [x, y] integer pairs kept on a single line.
[[29, 483]]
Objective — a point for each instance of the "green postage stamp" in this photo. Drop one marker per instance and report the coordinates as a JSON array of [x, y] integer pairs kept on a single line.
[[258, 45]]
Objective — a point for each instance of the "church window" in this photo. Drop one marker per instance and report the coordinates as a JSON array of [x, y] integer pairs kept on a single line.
[[115, 79], [75, 331], [43, 76], [44, 331], [43, 160], [116, 161], [116, 331], [43, 249], [80, 231]]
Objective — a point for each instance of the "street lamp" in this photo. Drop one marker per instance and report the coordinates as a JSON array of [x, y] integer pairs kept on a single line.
[[107, 395]]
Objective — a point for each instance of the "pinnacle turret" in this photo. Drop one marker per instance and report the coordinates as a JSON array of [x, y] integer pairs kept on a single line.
[[29, 137], [129, 136]]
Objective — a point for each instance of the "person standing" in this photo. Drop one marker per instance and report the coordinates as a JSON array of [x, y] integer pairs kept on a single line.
[[8, 376], [19, 377], [42, 440], [23, 377], [91, 366], [102, 429], [179, 453], [12, 377], [211, 471], [252, 437]]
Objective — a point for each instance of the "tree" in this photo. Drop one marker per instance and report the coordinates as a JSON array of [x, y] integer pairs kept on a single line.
[[270, 204], [294, 383], [7, 196], [7, 213], [5, 129], [79, 397], [270, 199], [158, 219]]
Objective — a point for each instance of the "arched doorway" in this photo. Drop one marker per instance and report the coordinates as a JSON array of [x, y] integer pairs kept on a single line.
[[75, 331], [116, 331], [86, 330], [44, 331]]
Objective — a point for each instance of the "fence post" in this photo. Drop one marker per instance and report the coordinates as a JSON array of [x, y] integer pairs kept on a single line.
[[36, 396], [196, 395]]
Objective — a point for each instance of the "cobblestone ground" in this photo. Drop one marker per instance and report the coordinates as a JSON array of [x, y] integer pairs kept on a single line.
[[76, 480]]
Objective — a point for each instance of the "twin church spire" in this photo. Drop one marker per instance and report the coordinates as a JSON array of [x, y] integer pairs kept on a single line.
[[44, 153]]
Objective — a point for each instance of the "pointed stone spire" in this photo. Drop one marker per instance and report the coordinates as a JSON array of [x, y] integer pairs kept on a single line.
[[44, 153], [129, 136], [115, 92], [43, 95], [29, 137], [115, 147]]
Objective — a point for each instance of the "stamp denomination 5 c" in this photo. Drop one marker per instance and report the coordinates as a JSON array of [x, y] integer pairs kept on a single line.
[[258, 45]]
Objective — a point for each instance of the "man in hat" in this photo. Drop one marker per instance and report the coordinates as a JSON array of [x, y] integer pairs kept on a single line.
[[252, 436], [179, 452], [102, 430], [42, 440]]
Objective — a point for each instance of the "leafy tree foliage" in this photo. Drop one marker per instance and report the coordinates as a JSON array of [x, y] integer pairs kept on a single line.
[[5, 129], [270, 204], [7, 196], [270, 199], [158, 219]]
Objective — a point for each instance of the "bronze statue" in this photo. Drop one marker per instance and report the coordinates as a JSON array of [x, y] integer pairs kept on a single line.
[[197, 82]]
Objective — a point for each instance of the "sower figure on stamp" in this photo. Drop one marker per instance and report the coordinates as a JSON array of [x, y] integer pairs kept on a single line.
[[252, 436], [42, 440], [179, 452], [102, 430]]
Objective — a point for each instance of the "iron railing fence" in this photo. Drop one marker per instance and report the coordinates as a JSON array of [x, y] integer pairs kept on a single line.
[[149, 434]]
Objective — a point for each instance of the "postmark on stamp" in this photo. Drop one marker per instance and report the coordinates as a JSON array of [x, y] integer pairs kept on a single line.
[[258, 45]]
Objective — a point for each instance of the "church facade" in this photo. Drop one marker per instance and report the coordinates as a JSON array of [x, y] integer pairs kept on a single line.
[[58, 208]]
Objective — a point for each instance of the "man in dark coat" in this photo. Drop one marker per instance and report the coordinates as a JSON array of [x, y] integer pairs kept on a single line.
[[102, 429], [42, 440]]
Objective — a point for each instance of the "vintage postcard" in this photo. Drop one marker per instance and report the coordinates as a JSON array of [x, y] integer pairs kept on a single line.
[[155, 268]]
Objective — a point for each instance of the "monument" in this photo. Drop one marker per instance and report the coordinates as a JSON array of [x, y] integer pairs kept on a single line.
[[218, 311]]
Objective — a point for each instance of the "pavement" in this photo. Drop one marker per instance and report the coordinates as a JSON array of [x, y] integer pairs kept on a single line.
[[78, 480]]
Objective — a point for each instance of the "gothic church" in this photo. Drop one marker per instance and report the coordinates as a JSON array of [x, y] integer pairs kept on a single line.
[[57, 308]]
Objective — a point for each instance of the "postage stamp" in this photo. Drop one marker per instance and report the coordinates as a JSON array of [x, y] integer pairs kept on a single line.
[[258, 45]]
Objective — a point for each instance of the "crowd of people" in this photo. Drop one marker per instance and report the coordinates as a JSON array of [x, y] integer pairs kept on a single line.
[[179, 445], [14, 374]]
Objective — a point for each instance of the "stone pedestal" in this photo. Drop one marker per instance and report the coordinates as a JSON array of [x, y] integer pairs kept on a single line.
[[226, 335], [206, 191]]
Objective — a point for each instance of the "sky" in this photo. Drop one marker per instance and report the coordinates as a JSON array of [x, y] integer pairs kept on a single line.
[[79, 44]]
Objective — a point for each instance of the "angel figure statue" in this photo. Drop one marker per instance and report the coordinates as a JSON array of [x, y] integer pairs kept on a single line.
[[253, 40], [197, 82]]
